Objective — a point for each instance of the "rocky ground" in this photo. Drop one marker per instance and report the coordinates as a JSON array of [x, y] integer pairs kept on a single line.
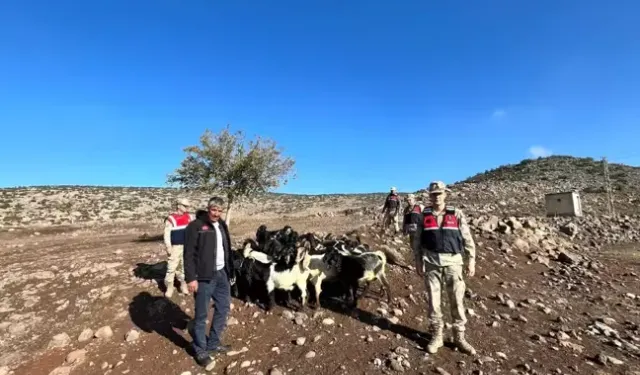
[[550, 296], [543, 301]]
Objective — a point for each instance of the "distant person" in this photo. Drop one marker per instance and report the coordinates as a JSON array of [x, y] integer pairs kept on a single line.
[[390, 211], [411, 218], [444, 236], [208, 271], [174, 229]]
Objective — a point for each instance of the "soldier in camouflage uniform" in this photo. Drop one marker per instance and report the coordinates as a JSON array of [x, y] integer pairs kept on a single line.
[[444, 236], [391, 210], [174, 232]]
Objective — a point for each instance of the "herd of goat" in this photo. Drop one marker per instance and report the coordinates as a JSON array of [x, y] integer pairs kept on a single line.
[[284, 260]]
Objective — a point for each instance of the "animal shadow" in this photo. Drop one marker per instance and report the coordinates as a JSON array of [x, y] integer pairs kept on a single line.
[[161, 315], [147, 238]]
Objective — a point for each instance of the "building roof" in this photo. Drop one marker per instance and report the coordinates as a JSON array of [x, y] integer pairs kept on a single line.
[[562, 193]]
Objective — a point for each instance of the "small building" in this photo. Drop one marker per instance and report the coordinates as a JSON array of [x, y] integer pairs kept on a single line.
[[563, 204]]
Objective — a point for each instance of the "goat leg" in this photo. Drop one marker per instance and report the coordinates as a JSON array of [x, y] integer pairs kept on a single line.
[[318, 289], [302, 286], [353, 291], [385, 284], [271, 296]]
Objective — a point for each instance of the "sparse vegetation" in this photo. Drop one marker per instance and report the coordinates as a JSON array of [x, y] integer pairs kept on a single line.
[[225, 164]]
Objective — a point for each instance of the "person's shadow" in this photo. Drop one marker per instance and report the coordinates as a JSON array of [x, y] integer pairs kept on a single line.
[[161, 315], [337, 305]]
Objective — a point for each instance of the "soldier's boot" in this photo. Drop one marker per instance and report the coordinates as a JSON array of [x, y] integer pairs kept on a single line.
[[436, 341], [169, 292], [461, 343], [183, 287]]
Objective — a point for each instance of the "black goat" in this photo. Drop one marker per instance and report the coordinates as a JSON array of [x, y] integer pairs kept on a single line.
[[277, 266], [285, 235]]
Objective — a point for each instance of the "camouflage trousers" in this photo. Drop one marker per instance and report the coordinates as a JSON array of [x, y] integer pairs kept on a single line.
[[175, 266], [451, 279], [390, 218]]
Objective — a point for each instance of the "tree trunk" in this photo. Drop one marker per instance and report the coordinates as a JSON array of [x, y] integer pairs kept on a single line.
[[227, 216]]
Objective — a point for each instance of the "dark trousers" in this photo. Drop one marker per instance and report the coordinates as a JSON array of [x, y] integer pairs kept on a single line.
[[219, 290]]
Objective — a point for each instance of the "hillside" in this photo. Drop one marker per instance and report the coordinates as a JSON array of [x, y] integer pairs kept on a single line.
[[551, 295], [570, 172], [516, 189], [64, 205]]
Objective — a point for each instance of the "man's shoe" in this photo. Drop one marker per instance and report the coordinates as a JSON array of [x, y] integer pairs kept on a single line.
[[220, 349], [204, 360]]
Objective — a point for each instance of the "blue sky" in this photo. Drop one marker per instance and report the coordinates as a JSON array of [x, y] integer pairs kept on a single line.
[[363, 94]]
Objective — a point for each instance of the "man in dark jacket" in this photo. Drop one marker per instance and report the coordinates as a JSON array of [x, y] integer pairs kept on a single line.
[[208, 272]]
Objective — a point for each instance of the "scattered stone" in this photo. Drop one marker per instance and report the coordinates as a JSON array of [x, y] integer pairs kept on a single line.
[[85, 335], [76, 357], [328, 321], [59, 341], [62, 370], [132, 335], [104, 332]]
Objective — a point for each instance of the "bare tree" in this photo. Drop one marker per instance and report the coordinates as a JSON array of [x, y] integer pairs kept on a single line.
[[224, 163]]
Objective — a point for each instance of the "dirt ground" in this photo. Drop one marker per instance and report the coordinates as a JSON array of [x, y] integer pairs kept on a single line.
[[66, 280]]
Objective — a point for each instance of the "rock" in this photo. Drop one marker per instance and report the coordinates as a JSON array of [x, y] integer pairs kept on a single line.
[[301, 341], [604, 359], [514, 223], [104, 332], [310, 355], [232, 321], [76, 357], [328, 321], [275, 371], [393, 256], [132, 335], [236, 352], [395, 365], [570, 229], [62, 370], [85, 335], [59, 341], [521, 245], [442, 371], [567, 257], [4, 370]]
